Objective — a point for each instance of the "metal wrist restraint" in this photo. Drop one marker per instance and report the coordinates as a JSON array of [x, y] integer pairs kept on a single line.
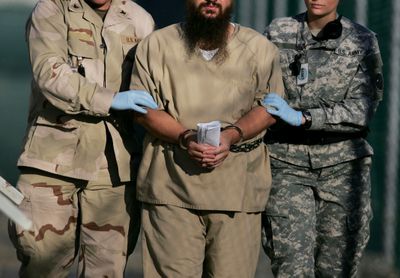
[[182, 139], [238, 129], [246, 147]]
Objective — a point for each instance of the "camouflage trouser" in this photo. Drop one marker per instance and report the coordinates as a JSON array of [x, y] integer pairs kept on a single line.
[[96, 220], [180, 243], [317, 221]]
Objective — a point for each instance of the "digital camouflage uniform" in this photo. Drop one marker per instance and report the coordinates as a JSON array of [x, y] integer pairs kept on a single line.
[[317, 217], [76, 157]]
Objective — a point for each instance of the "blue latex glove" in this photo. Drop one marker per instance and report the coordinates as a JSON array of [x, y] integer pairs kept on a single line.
[[277, 106], [133, 100]]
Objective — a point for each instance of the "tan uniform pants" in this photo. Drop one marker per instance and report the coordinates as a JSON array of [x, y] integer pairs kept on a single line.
[[179, 242], [93, 219]]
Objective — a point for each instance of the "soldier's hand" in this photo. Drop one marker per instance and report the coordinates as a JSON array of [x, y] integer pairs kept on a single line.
[[277, 106], [133, 100]]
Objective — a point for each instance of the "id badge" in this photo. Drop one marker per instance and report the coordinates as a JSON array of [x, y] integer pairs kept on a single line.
[[302, 78]]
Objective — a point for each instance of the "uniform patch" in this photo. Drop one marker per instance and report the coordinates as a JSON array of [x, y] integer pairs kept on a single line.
[[350, 52], [130, 40]]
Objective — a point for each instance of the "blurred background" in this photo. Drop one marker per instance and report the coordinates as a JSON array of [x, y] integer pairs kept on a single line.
[[382, 16]]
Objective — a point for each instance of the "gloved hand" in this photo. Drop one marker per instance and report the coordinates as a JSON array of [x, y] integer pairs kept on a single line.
[[133, 100], [277, 106]]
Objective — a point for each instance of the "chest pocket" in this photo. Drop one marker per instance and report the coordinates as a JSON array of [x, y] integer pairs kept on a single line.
[[54, 140], [84, 56], [336, 74], [81, 43], [287, 57]]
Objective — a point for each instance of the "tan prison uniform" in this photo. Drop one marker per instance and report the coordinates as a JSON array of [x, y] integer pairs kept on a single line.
[[73, 142], [194, 90]]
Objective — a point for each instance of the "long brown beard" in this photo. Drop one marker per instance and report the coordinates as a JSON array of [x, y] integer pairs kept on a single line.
[[207, 33]]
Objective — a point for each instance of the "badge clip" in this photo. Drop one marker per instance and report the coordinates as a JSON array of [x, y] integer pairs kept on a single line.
[[302, 78]]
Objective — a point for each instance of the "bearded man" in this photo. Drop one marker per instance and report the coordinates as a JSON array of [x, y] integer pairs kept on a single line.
[[202, 203]]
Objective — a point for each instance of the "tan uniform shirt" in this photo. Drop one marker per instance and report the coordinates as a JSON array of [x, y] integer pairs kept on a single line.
[[69, 113], [194, 90]]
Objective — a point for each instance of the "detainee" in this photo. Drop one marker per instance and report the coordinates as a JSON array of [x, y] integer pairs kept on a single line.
[[202, 204]]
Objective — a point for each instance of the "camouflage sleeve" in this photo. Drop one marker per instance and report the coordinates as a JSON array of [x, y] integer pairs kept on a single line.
[[277, 85], [48, 48], [354, 113], [275, 28]]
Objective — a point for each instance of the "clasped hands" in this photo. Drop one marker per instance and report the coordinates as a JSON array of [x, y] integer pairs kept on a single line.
[[208, 156]]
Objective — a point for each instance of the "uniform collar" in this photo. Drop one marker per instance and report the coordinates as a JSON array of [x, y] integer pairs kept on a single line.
[[305, 38], [118, 13], [115, 15]]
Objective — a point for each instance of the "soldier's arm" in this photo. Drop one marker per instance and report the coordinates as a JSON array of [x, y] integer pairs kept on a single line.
[[354, 113], [66, 89]]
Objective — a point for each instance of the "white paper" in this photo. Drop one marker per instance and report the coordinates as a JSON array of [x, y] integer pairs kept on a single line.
[[209, 133]]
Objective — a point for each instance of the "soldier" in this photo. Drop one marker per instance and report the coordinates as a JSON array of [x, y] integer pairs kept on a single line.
[[317, 218], [202, 204], [76, 172]]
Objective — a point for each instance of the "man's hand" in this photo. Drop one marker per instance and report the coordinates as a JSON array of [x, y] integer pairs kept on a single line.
[[215, 156], [277, 106], [198, 152], [205, 155], [133, 100]]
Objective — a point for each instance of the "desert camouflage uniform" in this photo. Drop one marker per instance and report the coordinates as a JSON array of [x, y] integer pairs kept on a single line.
[[317, 217], [76, 158]]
